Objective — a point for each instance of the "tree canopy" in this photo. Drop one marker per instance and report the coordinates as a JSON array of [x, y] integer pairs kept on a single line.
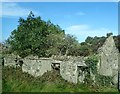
[[44, 39], [35, 36]]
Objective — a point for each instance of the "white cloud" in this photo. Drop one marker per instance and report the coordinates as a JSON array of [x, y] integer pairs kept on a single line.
[[82, 31], [13, 9], [80, 13]]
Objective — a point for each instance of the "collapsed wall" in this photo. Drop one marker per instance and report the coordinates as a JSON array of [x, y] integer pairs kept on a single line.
[[68, 68], [71, 69]]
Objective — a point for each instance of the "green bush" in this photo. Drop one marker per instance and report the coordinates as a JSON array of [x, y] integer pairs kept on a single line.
[[91, 62], [104, 80]]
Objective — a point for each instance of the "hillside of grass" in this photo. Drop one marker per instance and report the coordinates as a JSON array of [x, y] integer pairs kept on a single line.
[[14, 80]]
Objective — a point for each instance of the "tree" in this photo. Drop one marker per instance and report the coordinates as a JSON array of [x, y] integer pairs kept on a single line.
[[56, 44], [44, 39], [109, 34], [117, 41], [89, 40], [30, 37], [70, 44]]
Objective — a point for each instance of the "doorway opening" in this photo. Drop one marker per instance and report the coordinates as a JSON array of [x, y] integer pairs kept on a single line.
[[82, 72]]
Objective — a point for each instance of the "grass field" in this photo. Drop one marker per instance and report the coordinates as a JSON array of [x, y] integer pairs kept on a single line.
[[14, 80]]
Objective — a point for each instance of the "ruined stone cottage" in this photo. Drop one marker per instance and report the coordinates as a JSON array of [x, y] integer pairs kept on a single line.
[[72, 69], [68, 69]]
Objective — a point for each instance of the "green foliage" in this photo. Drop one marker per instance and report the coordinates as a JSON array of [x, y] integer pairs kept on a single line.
[[109, 34], [31, 36], [103, 80], [14, 80], [70, 44], [94, 43], [117, 41], [44, 39], [100, 80], [91, 62], [84, 50], [91, 45]]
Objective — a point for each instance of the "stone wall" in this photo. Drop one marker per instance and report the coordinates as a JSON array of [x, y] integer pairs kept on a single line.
[[9, 60], [108, 63], [70, 66], [36, 67], [69, 69]]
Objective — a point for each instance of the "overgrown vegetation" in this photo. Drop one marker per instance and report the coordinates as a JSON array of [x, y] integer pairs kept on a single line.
[[100, 80], [91, 62], [44, 39], [34, 36], [103, 80], [15, 80]]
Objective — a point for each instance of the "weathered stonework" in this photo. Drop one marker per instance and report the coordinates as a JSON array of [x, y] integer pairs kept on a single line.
[[70, 69], [108, 63], [9, 60], [36, 67]]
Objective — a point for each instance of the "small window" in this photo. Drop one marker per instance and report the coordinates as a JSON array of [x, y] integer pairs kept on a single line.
[[56, 66]]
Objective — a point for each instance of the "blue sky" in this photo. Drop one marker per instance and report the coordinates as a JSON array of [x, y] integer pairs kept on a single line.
[[79, 19]]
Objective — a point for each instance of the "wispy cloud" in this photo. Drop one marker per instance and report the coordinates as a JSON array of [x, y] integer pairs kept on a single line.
[[14, 9], [80, 13], [82, 31]]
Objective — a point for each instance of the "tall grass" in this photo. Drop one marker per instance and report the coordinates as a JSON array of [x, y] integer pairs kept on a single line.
[[14, 80]]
